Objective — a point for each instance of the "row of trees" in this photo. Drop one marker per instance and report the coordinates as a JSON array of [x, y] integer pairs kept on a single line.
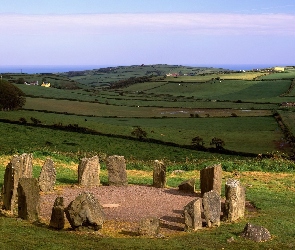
[[11, 97], [197, 141]]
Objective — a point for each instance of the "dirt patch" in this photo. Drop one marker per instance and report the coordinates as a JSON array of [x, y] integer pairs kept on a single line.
[[125, 206]]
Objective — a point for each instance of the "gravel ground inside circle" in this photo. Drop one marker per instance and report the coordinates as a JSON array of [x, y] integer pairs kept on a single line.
[[125, 206], [128, 204]]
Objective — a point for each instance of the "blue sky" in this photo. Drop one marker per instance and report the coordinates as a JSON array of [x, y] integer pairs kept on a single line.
[[118, 32]]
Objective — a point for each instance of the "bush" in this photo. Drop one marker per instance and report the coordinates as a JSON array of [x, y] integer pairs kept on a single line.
[[11, 97]]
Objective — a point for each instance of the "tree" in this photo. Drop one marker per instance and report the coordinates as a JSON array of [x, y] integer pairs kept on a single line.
[[11, 97], [139, 132], [20, 81], [219, 143], [197, 142], [35, 121]]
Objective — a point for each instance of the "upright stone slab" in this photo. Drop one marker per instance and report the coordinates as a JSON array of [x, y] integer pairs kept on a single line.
[[28, 199], [211, 178], [193, 215], [149, 227], [159, 174], [47, 176], [117, 170], [212, 208], [85, 212], [19, 166], [235, 200], [88, 172], [188, 186], [57, 220]]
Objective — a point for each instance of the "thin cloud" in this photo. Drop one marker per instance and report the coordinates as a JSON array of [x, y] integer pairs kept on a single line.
[[189, 23]]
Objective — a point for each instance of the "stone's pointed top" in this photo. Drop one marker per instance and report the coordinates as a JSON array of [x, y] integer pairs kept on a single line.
[[232, 182]]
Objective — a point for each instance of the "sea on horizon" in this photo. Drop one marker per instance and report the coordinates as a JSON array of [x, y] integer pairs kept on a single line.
[[38, 69]]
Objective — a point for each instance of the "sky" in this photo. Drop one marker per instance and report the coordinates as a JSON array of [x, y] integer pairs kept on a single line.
[[132, 32]]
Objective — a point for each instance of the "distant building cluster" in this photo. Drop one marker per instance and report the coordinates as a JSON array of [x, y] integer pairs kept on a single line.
[[172, 74], [44, 84], [32, 83], [288, 104]]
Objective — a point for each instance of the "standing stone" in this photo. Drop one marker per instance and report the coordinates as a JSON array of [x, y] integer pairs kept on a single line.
[[117, 170], [57, 220], [47, 176], [149, 227], [192, 215], [85, 212], [212, 208], [19, 166], [235, 200], [159, 174], [28, 199], [211, 178], [256, 233], [188, 186], [88, 172]]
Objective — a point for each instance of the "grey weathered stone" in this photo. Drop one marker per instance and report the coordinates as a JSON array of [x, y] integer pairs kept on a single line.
[[256, 233], [88, 172], [193, 215], [28, 199], [85, 212], [235, 200], [47, 176], [159, 174], [149, 227], [57, 219], [117, 170], [188, 186], [211, 179], [18, 167], [212, 208]]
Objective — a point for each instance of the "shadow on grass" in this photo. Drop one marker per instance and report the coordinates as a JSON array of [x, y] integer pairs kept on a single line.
[[172, 223], [66, 181]]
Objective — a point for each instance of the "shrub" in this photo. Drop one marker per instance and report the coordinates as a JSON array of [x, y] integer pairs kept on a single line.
[[11, 97]]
